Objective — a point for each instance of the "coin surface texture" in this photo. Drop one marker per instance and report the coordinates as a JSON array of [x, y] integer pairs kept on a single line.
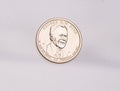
[[59, 40]]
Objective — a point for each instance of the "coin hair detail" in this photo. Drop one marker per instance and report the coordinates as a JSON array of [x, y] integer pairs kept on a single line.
[[53, 28]]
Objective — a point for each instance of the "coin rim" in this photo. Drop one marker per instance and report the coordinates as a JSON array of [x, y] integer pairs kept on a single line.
[[79, 34]]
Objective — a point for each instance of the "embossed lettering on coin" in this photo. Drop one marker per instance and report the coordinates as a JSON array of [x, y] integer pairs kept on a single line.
[[59, 40]]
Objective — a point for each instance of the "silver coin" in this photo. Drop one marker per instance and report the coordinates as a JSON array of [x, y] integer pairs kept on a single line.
[[58, 40]]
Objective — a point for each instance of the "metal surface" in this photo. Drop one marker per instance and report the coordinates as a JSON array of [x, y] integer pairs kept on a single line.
[[59, 40]]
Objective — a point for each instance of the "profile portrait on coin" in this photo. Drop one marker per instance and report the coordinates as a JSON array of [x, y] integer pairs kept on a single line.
[[58, 36]]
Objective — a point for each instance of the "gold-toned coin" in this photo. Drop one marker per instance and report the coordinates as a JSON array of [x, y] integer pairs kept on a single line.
[[59, 40]]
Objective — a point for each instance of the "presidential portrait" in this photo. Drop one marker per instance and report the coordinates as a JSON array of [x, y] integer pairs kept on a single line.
[[58, 36]]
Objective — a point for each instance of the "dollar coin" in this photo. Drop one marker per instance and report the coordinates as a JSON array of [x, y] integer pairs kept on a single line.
[[58, 40]]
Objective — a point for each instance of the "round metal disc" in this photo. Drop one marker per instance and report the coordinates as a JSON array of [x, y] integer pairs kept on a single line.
[[59, 40]]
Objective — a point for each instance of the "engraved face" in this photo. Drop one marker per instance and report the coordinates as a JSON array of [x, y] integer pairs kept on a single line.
[[59, 36]]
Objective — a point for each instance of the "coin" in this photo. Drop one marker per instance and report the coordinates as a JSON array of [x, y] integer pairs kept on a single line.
[[58, 40]]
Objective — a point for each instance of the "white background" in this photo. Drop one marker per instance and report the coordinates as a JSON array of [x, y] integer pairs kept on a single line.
[[96, 68]]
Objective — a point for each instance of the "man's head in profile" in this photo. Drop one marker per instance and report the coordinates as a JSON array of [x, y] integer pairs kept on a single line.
[[59, 36]]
